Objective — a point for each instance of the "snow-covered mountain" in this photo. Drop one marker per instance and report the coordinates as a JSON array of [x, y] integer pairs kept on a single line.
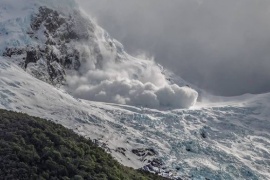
[[54, 59], [63, 46]]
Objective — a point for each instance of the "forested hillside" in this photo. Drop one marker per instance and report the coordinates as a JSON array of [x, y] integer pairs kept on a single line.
[[34, 148]]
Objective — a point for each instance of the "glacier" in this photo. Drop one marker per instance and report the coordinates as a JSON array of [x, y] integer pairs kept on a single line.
[[142, 114], [224, 140]]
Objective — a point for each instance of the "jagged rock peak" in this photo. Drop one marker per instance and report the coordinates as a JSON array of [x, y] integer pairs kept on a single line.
[[48, 38]]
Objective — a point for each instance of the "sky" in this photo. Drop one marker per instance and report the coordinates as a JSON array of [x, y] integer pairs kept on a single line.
[[222, 46]]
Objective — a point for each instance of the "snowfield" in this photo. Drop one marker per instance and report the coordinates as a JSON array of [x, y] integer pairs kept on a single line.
[[225, 140]]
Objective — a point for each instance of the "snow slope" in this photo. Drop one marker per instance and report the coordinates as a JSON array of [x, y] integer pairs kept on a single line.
[[15, 18], [228, 140]]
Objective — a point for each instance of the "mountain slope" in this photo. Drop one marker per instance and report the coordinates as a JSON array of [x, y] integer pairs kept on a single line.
[[62, 46], [53, 55], [34, 148], [225, 140]]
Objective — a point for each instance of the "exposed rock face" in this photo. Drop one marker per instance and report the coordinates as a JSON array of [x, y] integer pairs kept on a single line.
[[13, 51], [55, 49], [144, 152], [121, 150], [32, 55], [152, 162]]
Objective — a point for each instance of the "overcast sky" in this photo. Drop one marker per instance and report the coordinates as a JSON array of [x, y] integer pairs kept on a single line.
[[222, 46]]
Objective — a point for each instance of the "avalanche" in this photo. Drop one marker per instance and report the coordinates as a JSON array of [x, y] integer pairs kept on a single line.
[[62, 44], [54, 71]]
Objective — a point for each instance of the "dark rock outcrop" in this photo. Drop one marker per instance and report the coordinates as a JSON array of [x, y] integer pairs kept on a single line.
[[54, 51], [141, 152], [32, 56], [12, 51]]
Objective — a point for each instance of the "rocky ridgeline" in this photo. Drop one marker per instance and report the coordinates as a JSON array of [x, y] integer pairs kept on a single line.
[[54, 51]]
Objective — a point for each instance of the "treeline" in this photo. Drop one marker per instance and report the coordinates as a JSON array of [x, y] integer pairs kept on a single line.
[[34, 148]]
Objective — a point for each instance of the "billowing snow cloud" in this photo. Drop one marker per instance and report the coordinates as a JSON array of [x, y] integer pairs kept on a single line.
[[120, 78], [200, 40]]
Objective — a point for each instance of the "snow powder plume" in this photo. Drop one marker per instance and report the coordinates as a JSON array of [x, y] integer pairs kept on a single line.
[[129, 80]]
